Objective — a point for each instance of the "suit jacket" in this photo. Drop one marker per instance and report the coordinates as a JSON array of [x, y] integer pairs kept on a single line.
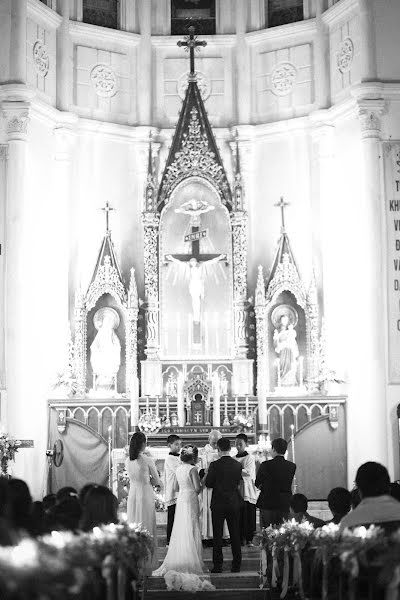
[[224, 476], [274, 478]]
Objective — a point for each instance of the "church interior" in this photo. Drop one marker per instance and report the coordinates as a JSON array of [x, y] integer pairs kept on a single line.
[[198, 214]]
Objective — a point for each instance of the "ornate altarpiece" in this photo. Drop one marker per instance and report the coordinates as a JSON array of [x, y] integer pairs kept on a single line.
[[194, 204]]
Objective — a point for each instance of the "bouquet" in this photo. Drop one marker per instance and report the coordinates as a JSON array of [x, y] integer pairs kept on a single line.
[[8, 447], [149, 423]]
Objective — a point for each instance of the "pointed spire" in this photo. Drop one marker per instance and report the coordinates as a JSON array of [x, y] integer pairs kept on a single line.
[[238, 183], [284, 272], [194, 151], [260, 288], [149, 196], [132, 292]]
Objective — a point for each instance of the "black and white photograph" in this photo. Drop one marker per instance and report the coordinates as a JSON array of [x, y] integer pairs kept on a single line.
[[199, 299]]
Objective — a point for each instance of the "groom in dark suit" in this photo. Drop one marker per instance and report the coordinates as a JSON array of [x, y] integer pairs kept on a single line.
[[224, 476]]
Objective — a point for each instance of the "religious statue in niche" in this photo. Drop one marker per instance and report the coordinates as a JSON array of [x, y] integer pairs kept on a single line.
[[105, 350], [284, 319], [171, 387]]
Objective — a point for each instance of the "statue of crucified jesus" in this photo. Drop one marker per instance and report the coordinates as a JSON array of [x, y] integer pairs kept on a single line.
[[196, 279]]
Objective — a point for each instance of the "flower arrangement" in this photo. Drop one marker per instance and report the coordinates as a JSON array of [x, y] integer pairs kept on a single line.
[[63, 563], [8, 447], [124, 483], [149, 423], [243, 422], [160, 502]]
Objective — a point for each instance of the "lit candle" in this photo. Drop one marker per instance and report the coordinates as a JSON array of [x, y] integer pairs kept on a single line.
[[157, 406], [247, 405], [109, 431], [167, 404], [236, 405], [147, 404]]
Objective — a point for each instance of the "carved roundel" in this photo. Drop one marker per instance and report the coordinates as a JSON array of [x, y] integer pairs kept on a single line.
[[104, 80], [41, 58], [203, 83], [345, 55], [283, 78]]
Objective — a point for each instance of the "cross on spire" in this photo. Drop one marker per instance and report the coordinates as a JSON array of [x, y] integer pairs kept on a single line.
[[107, 209], [281, 204], [190, 44]]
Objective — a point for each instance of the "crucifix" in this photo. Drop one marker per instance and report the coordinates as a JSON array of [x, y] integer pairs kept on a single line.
[[107, 211], [190, 44], [195, 261], [281, 204]]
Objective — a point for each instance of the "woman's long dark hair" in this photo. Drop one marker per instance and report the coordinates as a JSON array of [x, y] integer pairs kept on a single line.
[[136, 444], [100, 508]]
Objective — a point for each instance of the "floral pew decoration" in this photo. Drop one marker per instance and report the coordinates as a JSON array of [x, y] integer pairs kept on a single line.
[[62, 564], [356, 549], [290, 539]]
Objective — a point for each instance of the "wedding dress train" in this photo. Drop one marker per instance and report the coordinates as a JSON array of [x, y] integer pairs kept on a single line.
[[183, 567]]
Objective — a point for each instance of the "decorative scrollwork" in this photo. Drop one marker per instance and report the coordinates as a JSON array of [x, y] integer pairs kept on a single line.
[[41, 58], [107, 281], [195, 158], [283, 78], [345, 55], [104, 80], [151, 262], [203, 83], [239, 235], [287, 278]]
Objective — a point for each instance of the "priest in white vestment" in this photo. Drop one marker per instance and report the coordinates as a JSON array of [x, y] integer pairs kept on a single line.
[[206, 456]]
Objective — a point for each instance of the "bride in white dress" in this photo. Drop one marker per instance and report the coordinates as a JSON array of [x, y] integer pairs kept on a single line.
[[183, 567]]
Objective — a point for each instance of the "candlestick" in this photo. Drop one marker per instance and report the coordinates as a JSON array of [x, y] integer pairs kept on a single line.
[[236, 405], [167, 406], [109, 457], [157, 406], [226, 420], [247, 405], [147, 404], [293, 458]]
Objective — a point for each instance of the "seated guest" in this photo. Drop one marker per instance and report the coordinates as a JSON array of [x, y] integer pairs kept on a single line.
[[394, 490], [38, 519], [100, 508], [84, 491], [48, 502], [298, 510], [20, 507], [339, 502], [66, 492], [7, 536], [355, 498], [66, 513], [376, 505]]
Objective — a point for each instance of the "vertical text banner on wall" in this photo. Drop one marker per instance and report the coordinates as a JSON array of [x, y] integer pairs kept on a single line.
[[392, 206]]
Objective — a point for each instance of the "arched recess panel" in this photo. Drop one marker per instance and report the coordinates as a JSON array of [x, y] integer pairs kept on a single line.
[[275, 423], [315, 412], [288, 420], [106, 422], [302, 417], [121, 428], [93, 419], [79, 415]]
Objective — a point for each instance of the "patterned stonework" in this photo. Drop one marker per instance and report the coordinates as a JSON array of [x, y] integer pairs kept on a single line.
[[17, 122], [195, 158], [345, 55], [283, 78], [107, 281], [104, 80], [203, 83], [41, 58]]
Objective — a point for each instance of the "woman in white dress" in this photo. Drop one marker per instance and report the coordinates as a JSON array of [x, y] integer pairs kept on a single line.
[[183, 565], [141, 505]]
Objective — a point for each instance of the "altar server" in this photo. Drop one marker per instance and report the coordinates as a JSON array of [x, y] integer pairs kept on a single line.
[[248, 490]]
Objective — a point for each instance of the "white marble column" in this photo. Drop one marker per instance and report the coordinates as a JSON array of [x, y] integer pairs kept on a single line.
[[3, 219], [64, 63], [144, 65], [366, 410], [243, 73], [368, 41], [18, 41], [25, 418]]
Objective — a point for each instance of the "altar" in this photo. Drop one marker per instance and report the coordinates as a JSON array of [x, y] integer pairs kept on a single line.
[[199, 350]]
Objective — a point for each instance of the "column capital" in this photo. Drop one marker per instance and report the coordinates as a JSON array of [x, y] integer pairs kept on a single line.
[[369, 113], [17, 116]]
